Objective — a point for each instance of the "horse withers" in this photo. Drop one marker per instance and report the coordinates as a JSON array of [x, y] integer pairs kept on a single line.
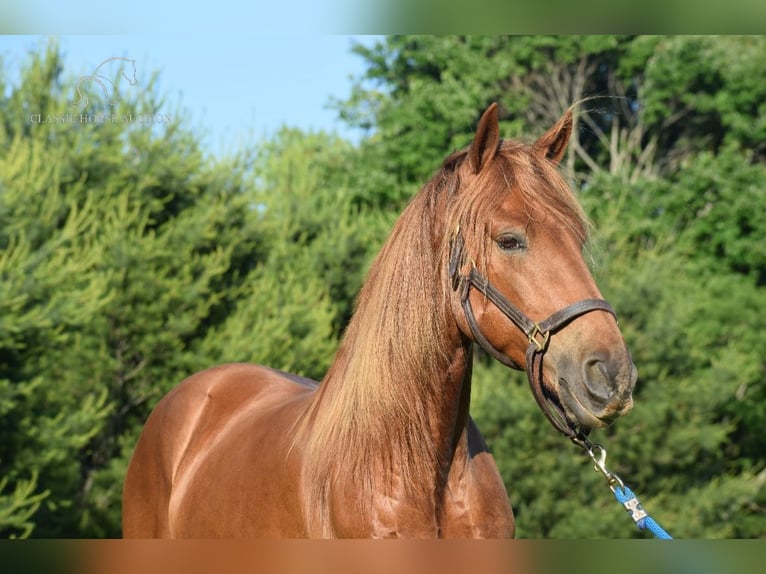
[[384, 446]]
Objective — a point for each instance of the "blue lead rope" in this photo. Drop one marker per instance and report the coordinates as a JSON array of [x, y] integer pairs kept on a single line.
[[621, 492], [629, 500]]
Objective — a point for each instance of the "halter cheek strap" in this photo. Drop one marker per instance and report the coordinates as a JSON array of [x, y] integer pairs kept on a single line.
[[538, 334]]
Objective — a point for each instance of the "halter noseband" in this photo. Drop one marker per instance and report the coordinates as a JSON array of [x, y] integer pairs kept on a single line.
[[538, 334]]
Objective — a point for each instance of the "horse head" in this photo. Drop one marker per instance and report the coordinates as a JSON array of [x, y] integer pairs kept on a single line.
[[520, 285]]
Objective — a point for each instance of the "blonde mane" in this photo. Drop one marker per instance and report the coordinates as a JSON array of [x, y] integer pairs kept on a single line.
[[369, 420]]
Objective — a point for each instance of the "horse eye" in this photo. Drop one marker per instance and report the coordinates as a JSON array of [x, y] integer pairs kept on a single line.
[[510, 243]]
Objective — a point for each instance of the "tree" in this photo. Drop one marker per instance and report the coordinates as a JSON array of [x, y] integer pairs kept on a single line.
[[651, 100], [48, 293]]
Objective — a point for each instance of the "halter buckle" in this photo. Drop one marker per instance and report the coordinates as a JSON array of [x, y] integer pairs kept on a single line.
[[540, 344]]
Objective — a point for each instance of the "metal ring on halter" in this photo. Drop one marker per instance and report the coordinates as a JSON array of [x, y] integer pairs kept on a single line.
[[532, 337]]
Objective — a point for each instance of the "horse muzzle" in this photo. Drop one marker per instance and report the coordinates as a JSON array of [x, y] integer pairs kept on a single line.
[[593, 393]]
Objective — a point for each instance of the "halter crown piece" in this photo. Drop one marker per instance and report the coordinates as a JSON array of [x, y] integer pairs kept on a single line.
[[538, 333]]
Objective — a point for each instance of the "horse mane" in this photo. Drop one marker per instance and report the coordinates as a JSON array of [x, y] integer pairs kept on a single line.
[[371, 411]]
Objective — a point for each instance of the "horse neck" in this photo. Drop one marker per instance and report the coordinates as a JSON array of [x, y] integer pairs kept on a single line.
[[399, 387], [429, 405]]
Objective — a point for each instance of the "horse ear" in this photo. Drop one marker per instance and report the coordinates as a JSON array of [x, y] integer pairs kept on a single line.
[[553, 144], [485, 141]]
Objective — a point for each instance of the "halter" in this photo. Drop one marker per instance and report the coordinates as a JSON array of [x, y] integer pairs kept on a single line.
[[538, 334]]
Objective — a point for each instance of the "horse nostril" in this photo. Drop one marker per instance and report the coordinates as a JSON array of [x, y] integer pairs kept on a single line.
[[602, 368], [599, 380]]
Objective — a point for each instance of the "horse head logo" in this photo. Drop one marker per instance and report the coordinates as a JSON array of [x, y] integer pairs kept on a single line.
[[108, 85]]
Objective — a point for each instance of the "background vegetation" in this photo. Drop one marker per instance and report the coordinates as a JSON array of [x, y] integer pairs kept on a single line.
[[130, 259]]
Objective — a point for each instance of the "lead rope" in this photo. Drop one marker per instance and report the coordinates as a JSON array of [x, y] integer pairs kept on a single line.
[[622, 493]]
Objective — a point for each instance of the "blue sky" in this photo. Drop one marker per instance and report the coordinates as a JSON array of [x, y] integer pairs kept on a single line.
[[234, 88]]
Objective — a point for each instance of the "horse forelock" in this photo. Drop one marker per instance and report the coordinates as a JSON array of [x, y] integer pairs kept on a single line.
[[543, 189], [518, 169]]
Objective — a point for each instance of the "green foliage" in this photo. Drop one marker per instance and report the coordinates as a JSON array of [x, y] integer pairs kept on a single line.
[[711, 82], [309, 207], [18, 507]]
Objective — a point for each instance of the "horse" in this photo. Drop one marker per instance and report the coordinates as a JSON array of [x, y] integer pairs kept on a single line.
[[384, 446]]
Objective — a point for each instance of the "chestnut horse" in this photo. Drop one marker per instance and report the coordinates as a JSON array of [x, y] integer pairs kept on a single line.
[[385, 446]]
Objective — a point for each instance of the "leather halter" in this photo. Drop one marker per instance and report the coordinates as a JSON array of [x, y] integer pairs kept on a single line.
[[538, 334]]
